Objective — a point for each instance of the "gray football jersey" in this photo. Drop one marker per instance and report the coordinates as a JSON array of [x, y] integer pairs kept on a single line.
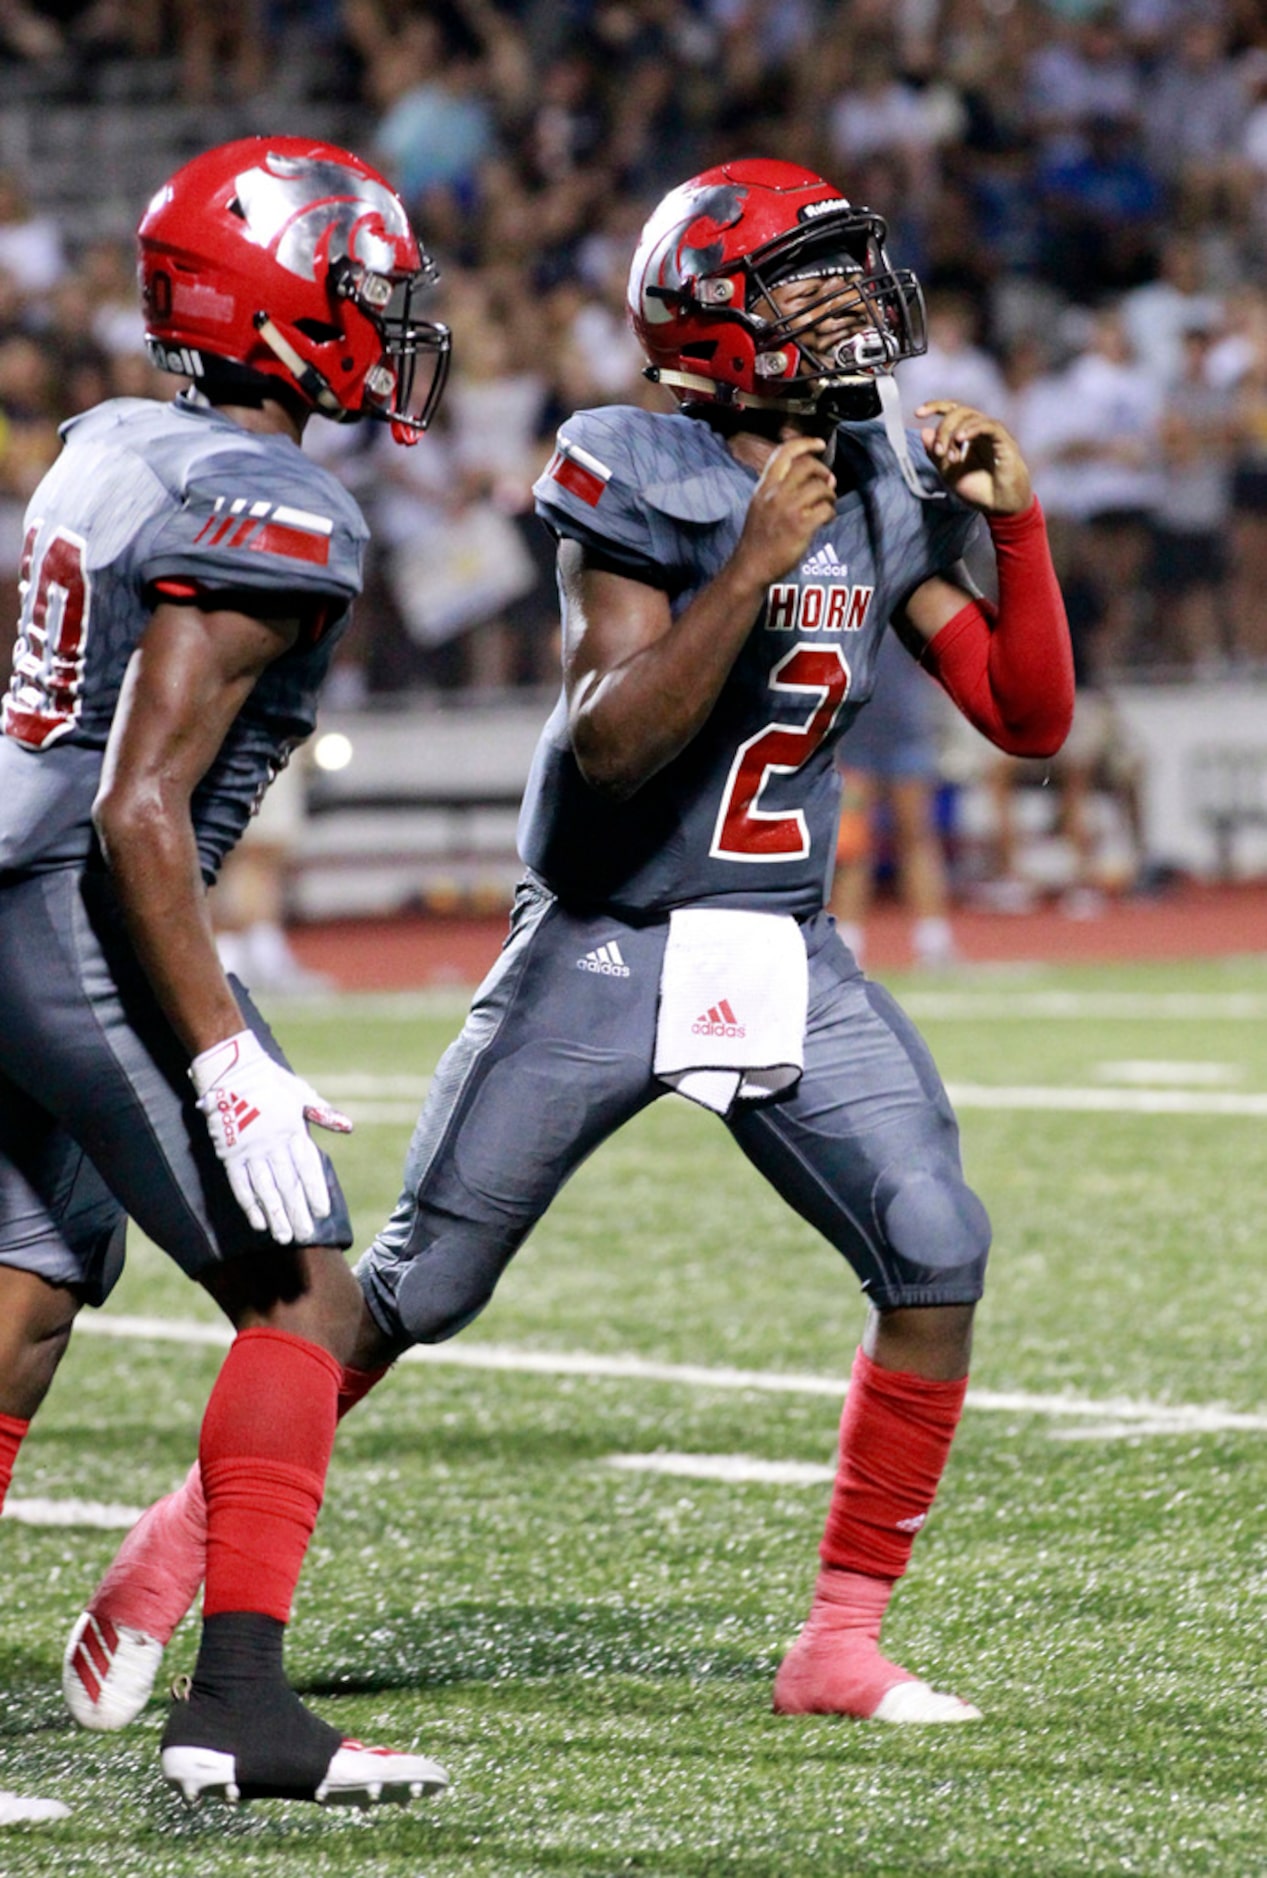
[[746, 815], [145, 493]]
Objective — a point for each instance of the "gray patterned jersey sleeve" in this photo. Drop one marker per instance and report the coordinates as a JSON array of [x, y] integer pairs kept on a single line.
[[591, 491], [245, 523]]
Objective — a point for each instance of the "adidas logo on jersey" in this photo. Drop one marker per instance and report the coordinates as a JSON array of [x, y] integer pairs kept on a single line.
[[718, 1021], [826, 561], [605, 960]]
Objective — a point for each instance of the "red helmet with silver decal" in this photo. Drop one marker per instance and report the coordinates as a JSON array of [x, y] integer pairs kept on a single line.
[[706, 264], [294, 260]]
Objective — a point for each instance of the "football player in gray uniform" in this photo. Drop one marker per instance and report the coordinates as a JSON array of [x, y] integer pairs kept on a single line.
[[187, 573], [727, 572]]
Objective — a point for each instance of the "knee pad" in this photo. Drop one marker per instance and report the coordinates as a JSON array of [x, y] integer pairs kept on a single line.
[[444, 1288], [936, 1234]]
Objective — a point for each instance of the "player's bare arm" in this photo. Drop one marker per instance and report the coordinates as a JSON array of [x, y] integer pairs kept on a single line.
[[641, 683], [189, 677]]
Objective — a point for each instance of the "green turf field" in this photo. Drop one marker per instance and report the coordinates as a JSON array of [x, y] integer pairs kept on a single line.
[[589, 1648]]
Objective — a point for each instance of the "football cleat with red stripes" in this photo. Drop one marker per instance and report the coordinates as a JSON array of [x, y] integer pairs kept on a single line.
[[108, 1671], [356, 1776]]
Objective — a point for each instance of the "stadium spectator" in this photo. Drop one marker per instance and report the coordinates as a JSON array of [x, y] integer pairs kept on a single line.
[[955, 365], [1104, 442], [1101, 206], [1099, 758], [1157, 314], [27, 33], [31, 248], [1045, 160], [1195, 111], [889, 776], [1191, 520], [877, 114], [1247, 361], [1079, 73]]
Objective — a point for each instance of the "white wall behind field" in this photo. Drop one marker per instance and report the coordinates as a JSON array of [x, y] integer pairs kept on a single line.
[[423, 810]]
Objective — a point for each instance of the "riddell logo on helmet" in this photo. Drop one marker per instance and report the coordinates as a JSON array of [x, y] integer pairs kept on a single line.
[[180, 359], [812, 210]]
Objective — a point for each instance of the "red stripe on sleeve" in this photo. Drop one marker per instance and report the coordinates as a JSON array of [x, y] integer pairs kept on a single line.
[[295, 543], [575, 477]]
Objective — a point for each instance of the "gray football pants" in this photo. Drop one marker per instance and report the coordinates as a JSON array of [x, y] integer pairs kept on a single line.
[[556, 1055], [97, 1115]]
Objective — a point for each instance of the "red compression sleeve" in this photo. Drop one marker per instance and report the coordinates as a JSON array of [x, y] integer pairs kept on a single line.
[[1010, 668]]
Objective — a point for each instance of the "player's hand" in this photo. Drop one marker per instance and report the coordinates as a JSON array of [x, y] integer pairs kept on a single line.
[[976, 457], [795, 497], [256, 1112]]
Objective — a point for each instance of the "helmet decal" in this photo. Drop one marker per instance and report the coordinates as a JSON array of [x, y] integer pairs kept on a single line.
[[672, 262], [290, 204], [293, 261]]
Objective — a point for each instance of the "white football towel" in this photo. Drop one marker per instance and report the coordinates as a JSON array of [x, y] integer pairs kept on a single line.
[[733, 994]]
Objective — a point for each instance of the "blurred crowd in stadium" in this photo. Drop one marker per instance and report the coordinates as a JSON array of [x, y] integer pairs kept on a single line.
[[1082, 189]]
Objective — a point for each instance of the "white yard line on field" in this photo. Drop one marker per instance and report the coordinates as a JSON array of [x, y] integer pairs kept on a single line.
[[1148, 1072], [1118, 1415], [975, 1095], [375, 1102], [999, 1004], [727, 1467], [98, 1513]]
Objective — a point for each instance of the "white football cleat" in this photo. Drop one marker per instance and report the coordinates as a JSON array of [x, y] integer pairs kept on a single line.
[[356, 1776], [17, 1810], [916, 1702], [108, 1672]]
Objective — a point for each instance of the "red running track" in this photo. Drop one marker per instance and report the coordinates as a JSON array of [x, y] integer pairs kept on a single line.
[[1190, 920]]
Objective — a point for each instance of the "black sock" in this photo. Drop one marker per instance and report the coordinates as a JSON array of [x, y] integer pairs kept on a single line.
[[241, 1704]]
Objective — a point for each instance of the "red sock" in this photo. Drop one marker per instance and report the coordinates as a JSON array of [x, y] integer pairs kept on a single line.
[[12, 1433], [265, 1448], [158, 1569], [895, 1435]]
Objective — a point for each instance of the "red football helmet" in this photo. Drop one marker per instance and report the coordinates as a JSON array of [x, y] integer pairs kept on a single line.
[[700, 291], [295, 260]]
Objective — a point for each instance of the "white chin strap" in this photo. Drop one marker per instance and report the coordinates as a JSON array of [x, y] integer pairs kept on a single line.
[[895, 431]]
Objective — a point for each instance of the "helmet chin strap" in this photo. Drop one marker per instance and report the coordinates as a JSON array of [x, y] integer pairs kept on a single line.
[[895, 431], [890, 411], [307, 377]]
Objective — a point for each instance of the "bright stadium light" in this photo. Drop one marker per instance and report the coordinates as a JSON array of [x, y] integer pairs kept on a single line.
[[332, 751]]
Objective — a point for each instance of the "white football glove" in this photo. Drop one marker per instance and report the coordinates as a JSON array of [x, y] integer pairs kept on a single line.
[[256, 1111]]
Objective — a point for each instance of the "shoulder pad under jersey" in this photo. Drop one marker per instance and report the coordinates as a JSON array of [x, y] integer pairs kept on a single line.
[[256, 513], [623, 480]]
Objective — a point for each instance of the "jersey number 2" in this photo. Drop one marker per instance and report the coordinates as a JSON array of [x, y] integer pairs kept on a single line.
[[48, 665], [745, 832]]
